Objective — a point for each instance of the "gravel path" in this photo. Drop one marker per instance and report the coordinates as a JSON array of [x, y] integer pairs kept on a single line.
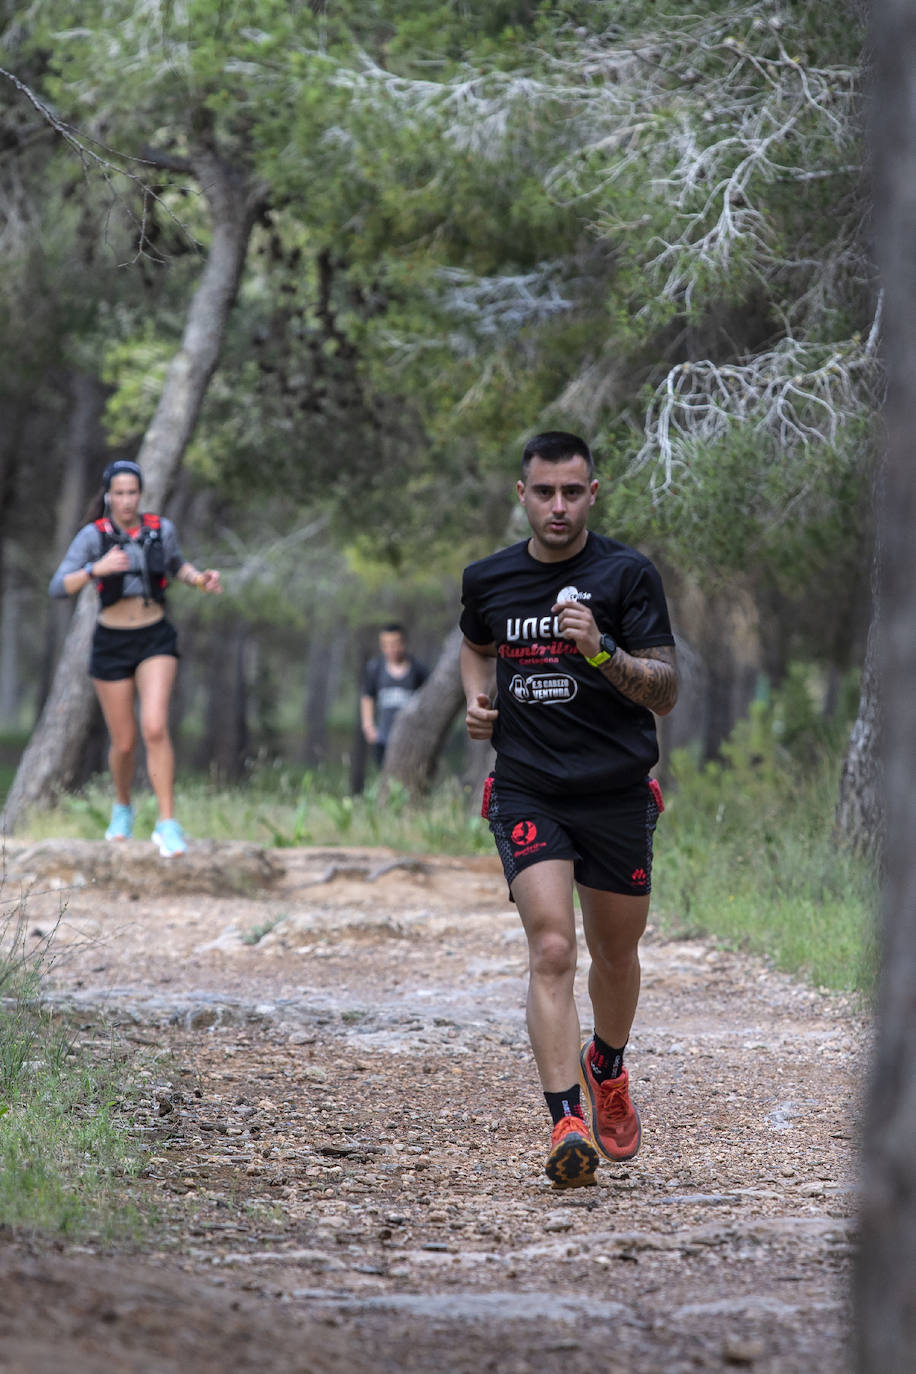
[[348, 1137]]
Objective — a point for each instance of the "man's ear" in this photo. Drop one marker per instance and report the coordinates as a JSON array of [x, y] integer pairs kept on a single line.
[[520, 491]]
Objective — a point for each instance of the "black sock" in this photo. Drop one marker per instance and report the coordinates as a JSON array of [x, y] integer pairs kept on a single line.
[[606, 1062], [564, 1104]]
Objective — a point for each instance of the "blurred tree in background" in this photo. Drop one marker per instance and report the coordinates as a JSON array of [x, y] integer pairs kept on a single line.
[[466, 223]]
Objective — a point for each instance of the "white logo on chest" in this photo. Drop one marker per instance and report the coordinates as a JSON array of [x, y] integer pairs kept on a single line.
[[543, 688]]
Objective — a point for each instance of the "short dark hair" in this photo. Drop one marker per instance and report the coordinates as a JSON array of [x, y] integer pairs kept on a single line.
[[393, 629], [556, 446]]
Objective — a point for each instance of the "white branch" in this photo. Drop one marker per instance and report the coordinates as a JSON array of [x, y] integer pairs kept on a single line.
[[799, 394]]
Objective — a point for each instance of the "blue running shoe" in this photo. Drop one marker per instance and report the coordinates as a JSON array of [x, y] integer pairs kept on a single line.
[[168, 837], [121, 825]]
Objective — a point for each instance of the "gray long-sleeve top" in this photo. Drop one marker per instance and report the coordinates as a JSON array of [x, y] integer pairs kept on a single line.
[[87, 547]]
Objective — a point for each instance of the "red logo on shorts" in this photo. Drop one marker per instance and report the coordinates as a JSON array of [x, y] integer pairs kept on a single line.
[[524, 832], [638, 877]]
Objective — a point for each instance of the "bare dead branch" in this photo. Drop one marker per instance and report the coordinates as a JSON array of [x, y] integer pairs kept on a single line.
[[84, 147]]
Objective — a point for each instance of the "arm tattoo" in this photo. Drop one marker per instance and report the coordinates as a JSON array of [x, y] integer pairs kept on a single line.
[[646, 676]]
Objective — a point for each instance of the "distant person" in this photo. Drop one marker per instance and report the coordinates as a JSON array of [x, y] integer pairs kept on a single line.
[[572, 630], [389, 681], [131, 558]]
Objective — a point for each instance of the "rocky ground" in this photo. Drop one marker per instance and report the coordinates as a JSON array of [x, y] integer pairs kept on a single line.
[[348, 1137]]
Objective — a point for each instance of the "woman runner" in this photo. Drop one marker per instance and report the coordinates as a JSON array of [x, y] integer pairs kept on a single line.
[[134, 655]]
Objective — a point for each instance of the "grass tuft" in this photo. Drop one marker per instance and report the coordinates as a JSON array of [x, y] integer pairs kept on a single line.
[[747, 853], [65, 1152], [282, 808]]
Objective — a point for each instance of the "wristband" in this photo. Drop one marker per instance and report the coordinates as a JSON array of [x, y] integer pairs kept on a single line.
[[607, 648], [87, 569]]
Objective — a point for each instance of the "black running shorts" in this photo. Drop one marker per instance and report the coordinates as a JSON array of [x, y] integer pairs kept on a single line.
[[116, 653], [607, 835]]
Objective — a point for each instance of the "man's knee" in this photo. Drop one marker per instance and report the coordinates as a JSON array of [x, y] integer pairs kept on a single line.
[[552, 954], [614, 960]]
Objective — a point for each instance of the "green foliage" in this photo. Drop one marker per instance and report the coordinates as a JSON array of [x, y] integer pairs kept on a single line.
[[483, 219], [64, 1149], [742, 501], [257, 932], [747, 851], [445, 824], [282, 807]]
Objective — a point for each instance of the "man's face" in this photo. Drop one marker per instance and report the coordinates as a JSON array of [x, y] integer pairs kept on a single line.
[[392, 645], [557, 498]]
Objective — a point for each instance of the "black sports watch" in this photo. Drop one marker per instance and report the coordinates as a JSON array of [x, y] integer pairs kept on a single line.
[[607, 648]]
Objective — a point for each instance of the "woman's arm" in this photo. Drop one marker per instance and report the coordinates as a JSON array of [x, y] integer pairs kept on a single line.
[[82, 563], [179, 569], [206, 581]]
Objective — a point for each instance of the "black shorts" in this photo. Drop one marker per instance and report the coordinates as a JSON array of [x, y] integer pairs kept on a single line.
[[607, 835], [116, 653]]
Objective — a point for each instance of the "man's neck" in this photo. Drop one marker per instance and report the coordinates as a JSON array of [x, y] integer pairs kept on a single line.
[[543, 553]]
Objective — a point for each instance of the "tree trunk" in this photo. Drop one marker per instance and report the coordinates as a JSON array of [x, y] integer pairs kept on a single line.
[[83, 458], [730, 658], [49, 762], [885, 1290], [420, 730], [860, 810], [324, 665], [11, 447], [11, 602], [226, 743]]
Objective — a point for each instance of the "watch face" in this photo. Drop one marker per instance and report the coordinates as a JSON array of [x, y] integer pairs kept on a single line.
[[608, 645]]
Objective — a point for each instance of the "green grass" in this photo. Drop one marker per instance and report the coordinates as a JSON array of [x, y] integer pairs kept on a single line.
[[281, 807], [66, 1151], [747, 853]]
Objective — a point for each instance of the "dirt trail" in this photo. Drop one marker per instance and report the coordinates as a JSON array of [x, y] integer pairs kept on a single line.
[[348, 1142]]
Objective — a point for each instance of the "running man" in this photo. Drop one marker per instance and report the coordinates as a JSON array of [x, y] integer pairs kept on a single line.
[[572, 629]]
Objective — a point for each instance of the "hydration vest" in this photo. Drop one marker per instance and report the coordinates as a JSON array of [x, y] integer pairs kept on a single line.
[[148, 542]]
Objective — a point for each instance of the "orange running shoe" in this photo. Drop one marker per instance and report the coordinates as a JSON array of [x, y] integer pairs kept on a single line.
[[573, 1158], [614, 1119]]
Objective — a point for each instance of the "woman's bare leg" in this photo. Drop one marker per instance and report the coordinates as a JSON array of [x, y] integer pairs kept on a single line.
[[155, 680]]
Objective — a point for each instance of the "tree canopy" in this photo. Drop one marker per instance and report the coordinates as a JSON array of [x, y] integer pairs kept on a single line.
[[476, 221]]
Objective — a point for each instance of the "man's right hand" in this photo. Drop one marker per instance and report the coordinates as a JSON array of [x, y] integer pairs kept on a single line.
[[481, 717]]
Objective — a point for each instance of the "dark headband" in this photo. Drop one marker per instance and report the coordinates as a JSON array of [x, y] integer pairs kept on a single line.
[[121, 465]]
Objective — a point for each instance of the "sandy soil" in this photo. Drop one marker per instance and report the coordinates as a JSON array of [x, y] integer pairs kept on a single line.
[[348, 1137]]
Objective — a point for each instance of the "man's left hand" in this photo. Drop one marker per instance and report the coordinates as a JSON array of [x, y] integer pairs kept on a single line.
[[577, 623]]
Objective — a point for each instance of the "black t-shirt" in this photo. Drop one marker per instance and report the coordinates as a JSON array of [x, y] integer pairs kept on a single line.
[[562, 726], [390, 694]]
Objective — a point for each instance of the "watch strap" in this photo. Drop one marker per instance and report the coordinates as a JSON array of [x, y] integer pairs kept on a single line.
[[607, 648]]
